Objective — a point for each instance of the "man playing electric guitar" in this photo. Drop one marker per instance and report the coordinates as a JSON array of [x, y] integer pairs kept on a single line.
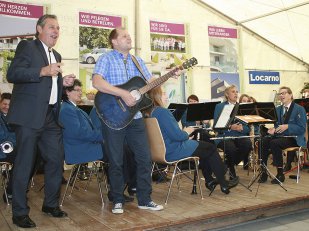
[[115, 68]]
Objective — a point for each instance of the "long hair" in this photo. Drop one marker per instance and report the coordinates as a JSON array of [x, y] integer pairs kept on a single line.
[[156, 95], [243, 96]]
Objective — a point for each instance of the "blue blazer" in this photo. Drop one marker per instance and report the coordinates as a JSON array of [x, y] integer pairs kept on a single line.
[[297, 123], [82, 142], [244, 132], [5, 135], [177, 142]]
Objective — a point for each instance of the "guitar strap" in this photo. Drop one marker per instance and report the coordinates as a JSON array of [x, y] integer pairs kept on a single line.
[[138, 67]]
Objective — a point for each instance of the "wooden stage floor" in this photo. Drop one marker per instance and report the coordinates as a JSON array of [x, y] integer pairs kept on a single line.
[[183, 212]]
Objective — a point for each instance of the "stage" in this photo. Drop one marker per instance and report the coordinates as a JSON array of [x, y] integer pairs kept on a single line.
[[183, 211]]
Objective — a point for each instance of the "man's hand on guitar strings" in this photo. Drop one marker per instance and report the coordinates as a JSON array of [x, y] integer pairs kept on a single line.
[[128, 98]]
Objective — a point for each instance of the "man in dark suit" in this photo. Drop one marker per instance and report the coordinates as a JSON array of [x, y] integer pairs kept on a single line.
[[34, 110]]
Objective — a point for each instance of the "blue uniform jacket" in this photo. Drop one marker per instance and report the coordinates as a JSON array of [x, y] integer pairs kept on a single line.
[[297, 123], [82, 142], [5, 135], [177, 142], [244, 132]]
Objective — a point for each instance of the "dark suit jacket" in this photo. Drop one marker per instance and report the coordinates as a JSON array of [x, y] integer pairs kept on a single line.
[[31, 93], [82, 141]]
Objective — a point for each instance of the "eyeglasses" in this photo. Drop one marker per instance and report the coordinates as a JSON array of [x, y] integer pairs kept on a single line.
[[282, 93], [78, 90]]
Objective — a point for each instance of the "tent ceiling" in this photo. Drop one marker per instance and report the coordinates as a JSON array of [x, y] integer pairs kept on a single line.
[[285, 23]]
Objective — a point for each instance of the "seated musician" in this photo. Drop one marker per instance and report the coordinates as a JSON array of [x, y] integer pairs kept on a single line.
[[185, 122], [179, 145], [201, 133], [6, 135], [235, 149], [80, 137], [291, 122], [244, 98]]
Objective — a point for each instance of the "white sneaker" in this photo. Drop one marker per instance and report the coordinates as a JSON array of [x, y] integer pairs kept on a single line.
[[151, 206], [117, 209]]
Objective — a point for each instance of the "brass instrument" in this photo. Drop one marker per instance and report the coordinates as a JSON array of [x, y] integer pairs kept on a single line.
[[6, 147]]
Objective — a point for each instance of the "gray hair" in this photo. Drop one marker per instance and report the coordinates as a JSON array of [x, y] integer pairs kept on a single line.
[[42, 21]]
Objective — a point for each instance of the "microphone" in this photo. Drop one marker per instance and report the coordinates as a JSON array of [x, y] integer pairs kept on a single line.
[[125, 61]]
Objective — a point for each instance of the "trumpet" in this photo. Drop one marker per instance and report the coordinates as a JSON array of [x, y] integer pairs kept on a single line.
[[6, 147]]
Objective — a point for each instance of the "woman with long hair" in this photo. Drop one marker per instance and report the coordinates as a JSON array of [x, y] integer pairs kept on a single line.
[[179, 145]]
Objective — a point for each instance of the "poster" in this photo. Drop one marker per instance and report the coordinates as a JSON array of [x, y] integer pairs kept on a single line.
[[94, 29], [223, 51], [168, 49], [17, 22]]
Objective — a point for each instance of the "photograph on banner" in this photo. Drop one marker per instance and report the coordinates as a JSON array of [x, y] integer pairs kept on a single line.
[[17, 22], [220, 81], [168, 50], [94, 30], [223, 49]]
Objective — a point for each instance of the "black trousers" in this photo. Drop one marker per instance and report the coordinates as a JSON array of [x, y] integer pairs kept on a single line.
[[49, 140], [235, 150], [210, 161], [275, 146]]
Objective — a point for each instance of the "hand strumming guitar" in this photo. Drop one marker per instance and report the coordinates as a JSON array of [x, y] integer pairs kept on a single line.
[[128, 98]]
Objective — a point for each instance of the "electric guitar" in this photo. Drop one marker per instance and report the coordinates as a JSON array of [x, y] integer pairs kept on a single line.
[[113, 110]]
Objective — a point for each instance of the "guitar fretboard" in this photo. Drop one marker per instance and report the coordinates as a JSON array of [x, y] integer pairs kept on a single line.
[[159, 81]]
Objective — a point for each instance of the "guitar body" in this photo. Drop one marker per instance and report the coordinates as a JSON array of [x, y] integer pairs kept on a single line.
[[112, 109]]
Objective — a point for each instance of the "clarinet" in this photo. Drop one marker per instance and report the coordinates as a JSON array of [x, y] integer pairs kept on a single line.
[[194, 184]]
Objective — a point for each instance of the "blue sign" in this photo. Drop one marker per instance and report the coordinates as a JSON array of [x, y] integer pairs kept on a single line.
[[264, 77]]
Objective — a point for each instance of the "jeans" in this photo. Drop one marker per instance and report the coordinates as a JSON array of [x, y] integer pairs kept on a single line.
[[136, 138]]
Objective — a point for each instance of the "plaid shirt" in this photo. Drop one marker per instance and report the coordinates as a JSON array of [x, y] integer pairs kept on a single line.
[[112, 68]]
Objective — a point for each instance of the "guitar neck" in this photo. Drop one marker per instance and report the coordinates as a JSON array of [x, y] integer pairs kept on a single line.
[[158, 81]]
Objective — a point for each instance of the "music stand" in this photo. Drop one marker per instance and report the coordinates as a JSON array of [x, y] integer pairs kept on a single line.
[[201, 111], [178, 110], [86, 108], [258, 114], [226, 117], [304, 103]]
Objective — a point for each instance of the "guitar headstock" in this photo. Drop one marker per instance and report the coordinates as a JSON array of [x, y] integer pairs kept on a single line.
[[189, 63]]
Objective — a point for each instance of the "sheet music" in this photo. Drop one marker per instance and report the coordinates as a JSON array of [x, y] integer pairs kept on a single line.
[[225, 116]]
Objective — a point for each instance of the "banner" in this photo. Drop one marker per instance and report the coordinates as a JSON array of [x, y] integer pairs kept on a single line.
[[264, 77], [21, 10]]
